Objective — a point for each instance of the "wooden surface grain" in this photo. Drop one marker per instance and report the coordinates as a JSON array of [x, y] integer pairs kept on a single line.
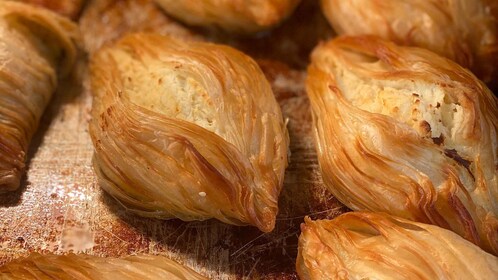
[[60, 207]]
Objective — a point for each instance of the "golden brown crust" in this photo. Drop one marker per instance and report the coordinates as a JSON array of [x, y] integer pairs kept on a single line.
[[464, 31], [378, 246], [68, 8], [35, 44], [404, 131], [44, 267], [188, 130], [238, 16]]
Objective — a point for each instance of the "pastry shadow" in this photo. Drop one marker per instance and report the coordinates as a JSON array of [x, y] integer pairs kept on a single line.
[[212, 246], [216, 248], [195, 241], [68, 90]]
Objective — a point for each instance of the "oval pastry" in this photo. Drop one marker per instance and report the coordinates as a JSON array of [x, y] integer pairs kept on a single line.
[[35, 44], [404, 131], [378, 246], [188, 130], [240, 16], [88, 267], [462, 30]]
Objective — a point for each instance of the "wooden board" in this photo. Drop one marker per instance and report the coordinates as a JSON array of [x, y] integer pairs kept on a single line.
[[60, 207]]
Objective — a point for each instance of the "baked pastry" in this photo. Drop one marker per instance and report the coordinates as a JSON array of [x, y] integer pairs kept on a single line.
[[68, 8], [35, 44], [404, 131], [188, 130], [239, 16], [73, 266], [462, 30], [378, 246]]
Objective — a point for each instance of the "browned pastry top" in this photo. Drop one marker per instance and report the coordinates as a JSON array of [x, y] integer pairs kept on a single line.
[[405, 131], [462, 30], [362, 245]]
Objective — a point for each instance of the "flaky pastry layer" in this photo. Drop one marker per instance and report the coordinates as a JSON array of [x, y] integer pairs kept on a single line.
[[404, 131], [462, 30], [240, 16], [188, 130], [378, 246], [35, 46], [87, 267]]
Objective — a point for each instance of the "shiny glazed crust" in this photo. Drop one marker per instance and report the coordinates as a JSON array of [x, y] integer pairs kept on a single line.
[[42, 267], [378, 246], [188, 130], [462, 30], [240, 16], [35, 43], [404, 131]]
